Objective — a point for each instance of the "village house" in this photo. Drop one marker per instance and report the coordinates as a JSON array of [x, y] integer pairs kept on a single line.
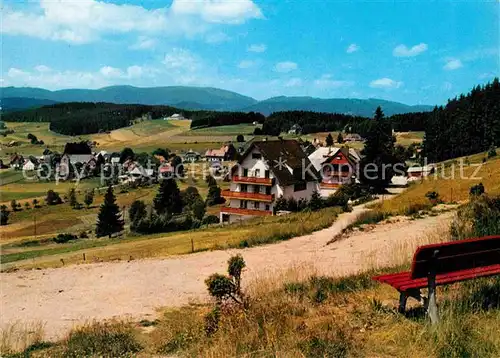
[[419, 172], [30, 164], [16, 161], [266, 171], [227, 152], [191, 156], [295, 129], [337, 166], [175, 117], [77, 152], [353, 137]]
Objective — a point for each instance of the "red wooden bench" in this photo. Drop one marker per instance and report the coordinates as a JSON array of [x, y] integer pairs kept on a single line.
[[443, 264]]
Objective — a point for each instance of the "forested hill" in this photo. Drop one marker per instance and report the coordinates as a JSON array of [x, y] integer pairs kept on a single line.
[[196, 97], [466, 125], [77, 118]]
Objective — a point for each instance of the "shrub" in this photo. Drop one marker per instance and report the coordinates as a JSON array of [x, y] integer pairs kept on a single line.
[[258, 131], [4, 215], [14, 205], [477, 190], [102, 340], [63, 238], [137, 211], [83, 235], [433, 197], [210, 219], [480, 217], [53, 198], [240, 138], [492, 152]]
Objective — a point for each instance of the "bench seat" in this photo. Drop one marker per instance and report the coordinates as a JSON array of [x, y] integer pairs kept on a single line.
[[402, 281]]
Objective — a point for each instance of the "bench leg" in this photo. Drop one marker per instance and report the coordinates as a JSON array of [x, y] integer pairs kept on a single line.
[[403, 297], [432, 310]]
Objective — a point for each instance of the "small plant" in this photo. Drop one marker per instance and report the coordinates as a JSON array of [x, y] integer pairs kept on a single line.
[[14, 205], [27, 206], [4, 215], [89, 198], [477, 190], [433, 197], [224, 288], [53, 198], [83, 235], [63, 238], [492, 152], [36, 204]]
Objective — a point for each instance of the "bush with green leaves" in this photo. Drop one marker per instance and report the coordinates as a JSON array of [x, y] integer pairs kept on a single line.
[[433, 197], [4, 215], [53, 198], [492, 152], [477, 190], [480, 217], [14, 205], [64, 238], [225, 289], [210, 219]]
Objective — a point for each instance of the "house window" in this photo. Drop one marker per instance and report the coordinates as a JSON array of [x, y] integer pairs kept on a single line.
[[257, 173], [267, 207], [256, 205], [256, 189], [266, 174], [244, 188], [268, 190], [300, 186], [243, 204], [245, 172], [256, 156]]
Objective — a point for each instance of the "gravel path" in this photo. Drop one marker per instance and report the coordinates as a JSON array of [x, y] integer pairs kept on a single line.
[[63, 297]]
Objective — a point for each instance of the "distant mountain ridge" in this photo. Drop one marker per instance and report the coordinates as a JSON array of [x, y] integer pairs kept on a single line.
[[204, 98]]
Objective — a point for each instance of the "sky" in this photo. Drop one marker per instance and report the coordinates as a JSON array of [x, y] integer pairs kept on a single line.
[[415, 52]]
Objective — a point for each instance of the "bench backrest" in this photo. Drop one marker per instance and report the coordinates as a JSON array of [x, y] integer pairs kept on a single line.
[[456, 256]]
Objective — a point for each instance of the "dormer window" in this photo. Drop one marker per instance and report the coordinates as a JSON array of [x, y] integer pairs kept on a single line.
[[256, 156]]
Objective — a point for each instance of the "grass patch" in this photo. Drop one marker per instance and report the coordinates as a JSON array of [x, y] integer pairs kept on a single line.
[[253, 232]]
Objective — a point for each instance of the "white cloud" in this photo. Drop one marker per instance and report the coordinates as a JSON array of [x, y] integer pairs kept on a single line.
[[246, 64], [293, 82], [257, 48], [326, 81], [144, 43], [453, 64], [403, 51], [110, 72], [286, 66], [42, 68], [217, 37], [352, 48], [53, 79], [385, 83], [84, 21], [181, 59], [218, 11]]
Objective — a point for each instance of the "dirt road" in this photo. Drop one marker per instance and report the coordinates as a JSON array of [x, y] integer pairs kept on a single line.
[[72, 295]]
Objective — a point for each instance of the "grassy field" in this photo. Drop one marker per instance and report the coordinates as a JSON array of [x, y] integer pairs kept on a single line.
[[449, 183], [248, 233], [296, 313]]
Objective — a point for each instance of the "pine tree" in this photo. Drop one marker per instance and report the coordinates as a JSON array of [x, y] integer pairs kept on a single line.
[[109, 220], [89, 198], [377, 165], [73, 202], [168, 201], [214, 193], [137, 211], [329, 140], [340, 138]]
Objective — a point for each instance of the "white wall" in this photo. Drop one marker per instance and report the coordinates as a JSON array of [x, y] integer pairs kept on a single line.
[[304, 194]]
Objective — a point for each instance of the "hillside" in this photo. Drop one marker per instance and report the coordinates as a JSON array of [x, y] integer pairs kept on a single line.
[[11, 104], [206, 98], [352, 106], [201, 97]]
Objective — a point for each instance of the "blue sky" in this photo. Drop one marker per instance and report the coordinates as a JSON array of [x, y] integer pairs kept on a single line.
[[413, 52]]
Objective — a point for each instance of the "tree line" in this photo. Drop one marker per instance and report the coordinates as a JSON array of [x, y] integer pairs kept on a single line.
[[468, 124]]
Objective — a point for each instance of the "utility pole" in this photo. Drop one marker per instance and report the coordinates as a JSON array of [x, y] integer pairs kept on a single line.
[[34, 218]]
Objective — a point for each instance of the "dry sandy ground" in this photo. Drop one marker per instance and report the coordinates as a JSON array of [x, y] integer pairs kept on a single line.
[[64, 297]]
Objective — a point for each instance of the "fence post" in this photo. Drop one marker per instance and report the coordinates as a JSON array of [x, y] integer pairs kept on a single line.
[[192, 245], [84, 256]]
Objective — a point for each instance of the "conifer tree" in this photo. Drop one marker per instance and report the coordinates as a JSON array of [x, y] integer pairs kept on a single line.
[[329, 140], [214, 193], [377, 165], [340, 138], [168, 201], [109, 219]]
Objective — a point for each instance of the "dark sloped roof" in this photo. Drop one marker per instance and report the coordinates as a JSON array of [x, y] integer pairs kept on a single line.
[[282, 153], [77, 148]]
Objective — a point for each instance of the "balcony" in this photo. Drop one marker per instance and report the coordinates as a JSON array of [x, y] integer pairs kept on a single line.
[[253, 180], [228, 194], [330, 185], [238, 211]]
